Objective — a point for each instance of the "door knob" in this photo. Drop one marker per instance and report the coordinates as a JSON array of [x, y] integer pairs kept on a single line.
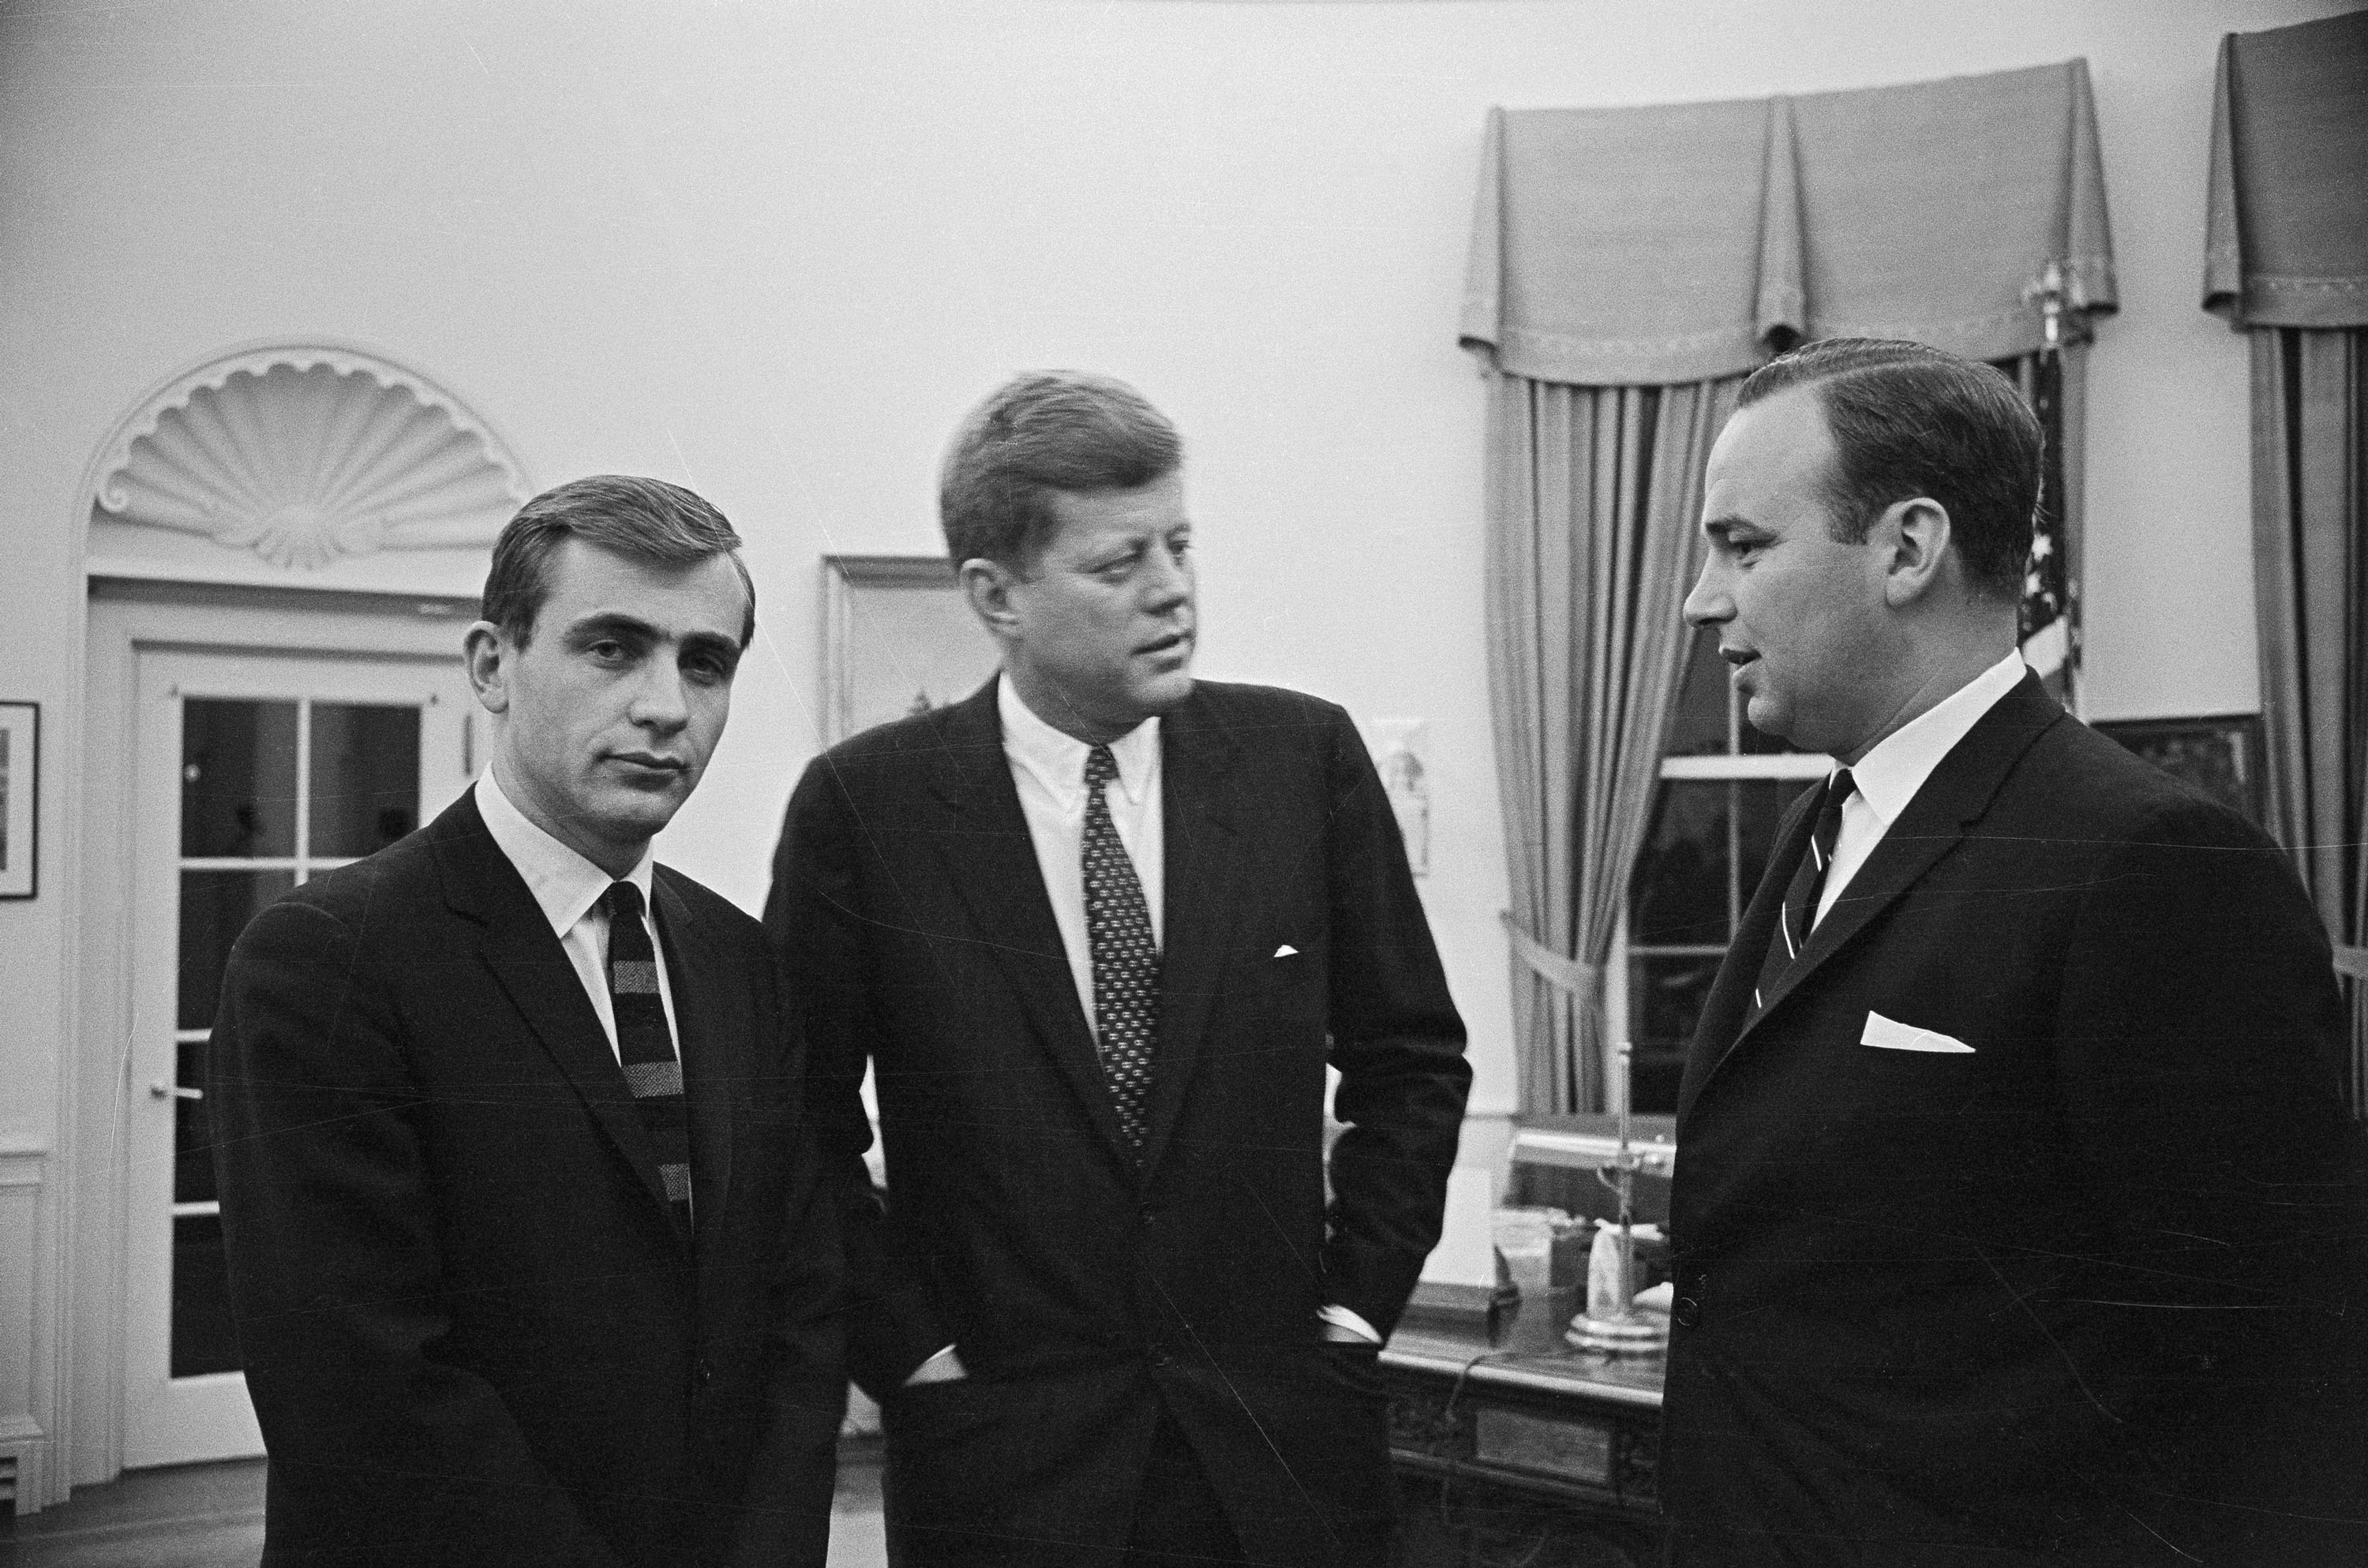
[[163, 1091]]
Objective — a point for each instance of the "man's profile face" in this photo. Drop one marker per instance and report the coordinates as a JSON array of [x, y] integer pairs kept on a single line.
[[1801, 616], [612, 708], [1102, 626]]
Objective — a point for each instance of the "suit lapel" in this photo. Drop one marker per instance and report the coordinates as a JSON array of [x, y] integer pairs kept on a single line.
[[992, 857], [1202, 862], [482, 885], [1950, 801], [1729, 1006], [714, 1060]]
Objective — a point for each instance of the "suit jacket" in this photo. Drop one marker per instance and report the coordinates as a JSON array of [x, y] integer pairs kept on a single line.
[[1086, 1290], [2087, 1289], [472, 1330]]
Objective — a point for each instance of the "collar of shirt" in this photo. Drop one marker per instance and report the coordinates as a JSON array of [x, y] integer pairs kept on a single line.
[[1058, 760], [564, 885], [1888, 777]]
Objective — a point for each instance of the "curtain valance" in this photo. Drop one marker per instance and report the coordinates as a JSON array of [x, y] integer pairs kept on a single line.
[[1643, 246], [2287, 243]]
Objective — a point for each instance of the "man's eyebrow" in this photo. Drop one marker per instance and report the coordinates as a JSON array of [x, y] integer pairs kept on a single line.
[[1720, 527], [711, 643], [611, 623]]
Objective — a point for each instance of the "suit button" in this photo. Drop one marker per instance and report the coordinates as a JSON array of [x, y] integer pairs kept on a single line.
[[1147, 1214], [701, 1374], [1687, 1313], [1158, 1355]]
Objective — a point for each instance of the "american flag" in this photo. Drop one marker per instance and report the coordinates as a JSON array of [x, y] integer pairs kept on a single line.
[[2051, 596]]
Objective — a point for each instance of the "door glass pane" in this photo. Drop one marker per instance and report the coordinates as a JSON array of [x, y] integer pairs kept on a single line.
[[203, 1338], [1681, 885], [215, 907], [238, 778], [193, 1161], [365, 789]]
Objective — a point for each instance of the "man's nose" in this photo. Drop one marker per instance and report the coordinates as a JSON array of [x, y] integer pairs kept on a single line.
[[1707, 603], [1170, 584], [661, 698]]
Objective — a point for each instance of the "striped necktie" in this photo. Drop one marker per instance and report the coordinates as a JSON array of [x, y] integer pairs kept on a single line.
[[1125, 958], [1799, 914], [645, 1046]]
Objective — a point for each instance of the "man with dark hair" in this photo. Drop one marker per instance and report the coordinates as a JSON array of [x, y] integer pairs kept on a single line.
[[524, 1240], [2018, 1218], [1099, 930]]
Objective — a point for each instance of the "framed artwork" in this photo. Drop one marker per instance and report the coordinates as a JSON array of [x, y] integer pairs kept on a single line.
[[899, 637], [2221, 756], [20, 797]]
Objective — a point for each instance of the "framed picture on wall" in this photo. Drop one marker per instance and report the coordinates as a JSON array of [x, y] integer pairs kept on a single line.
[[20, 784], [898, 639], [2221, 756]]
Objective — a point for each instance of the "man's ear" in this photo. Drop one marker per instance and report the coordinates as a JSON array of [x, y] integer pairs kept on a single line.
[[487, 661], [1918, 533], [987, 584]]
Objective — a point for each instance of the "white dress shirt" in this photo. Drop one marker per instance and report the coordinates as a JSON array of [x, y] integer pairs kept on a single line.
[[567, 887], [1888, 777], [1048, 769]]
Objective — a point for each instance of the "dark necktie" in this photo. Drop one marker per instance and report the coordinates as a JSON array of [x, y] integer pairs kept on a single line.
[[645, 1046], [1800, 911], [1126, 961]]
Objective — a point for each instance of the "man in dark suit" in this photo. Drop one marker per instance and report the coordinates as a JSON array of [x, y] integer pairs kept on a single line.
[[2016, 1218], [1099, 930], [524, 1245]]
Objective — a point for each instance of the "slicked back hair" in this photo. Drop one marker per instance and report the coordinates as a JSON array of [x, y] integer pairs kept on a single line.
[[645, 519], [1908, 420], [1040, 432]]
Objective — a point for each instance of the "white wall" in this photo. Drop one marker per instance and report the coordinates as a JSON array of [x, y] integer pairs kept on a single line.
[[774, 250]]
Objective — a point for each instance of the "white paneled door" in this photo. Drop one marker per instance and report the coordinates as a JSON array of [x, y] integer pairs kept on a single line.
[[252, 773]]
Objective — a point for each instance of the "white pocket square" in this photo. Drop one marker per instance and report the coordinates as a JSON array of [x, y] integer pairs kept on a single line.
[[1889, 1034], [1285, 950]]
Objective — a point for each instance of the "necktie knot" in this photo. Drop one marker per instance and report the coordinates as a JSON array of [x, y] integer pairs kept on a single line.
[[1838, 789], [1101, 768], [622, 901]]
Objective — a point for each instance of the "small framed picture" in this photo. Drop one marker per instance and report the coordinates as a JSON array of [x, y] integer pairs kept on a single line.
[[2221, 756], [20, 798], [898, 639]]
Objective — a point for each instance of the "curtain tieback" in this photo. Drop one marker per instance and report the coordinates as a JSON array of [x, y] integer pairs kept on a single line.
[[2352, 961], [1563, 973]]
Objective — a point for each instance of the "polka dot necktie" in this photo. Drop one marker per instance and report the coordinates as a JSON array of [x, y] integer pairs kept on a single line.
[[645, 1046], [1126, 960], [1799, 914]]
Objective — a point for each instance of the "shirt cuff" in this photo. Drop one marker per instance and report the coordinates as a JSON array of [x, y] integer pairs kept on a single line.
[[1340, 1316]]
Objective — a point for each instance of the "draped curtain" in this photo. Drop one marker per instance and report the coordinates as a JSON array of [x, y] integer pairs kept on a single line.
[[1593, 497], [2286, 261], [1628, 268]]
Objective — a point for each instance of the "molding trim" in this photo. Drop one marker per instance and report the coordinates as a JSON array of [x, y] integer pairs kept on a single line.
[[305, 453]]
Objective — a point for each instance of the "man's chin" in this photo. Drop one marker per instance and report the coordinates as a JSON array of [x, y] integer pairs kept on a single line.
[[1164, 693]]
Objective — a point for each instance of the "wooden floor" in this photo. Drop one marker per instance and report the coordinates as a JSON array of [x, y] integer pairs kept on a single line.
[[211, 1516]]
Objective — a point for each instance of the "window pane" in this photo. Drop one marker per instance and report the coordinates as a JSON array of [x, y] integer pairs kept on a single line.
[[204, 1339], [1666, 996], [365, 777], [1759, 806], [193, 1154], [238, 778], [215, 907], [1699, 727], [1679, 896]]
